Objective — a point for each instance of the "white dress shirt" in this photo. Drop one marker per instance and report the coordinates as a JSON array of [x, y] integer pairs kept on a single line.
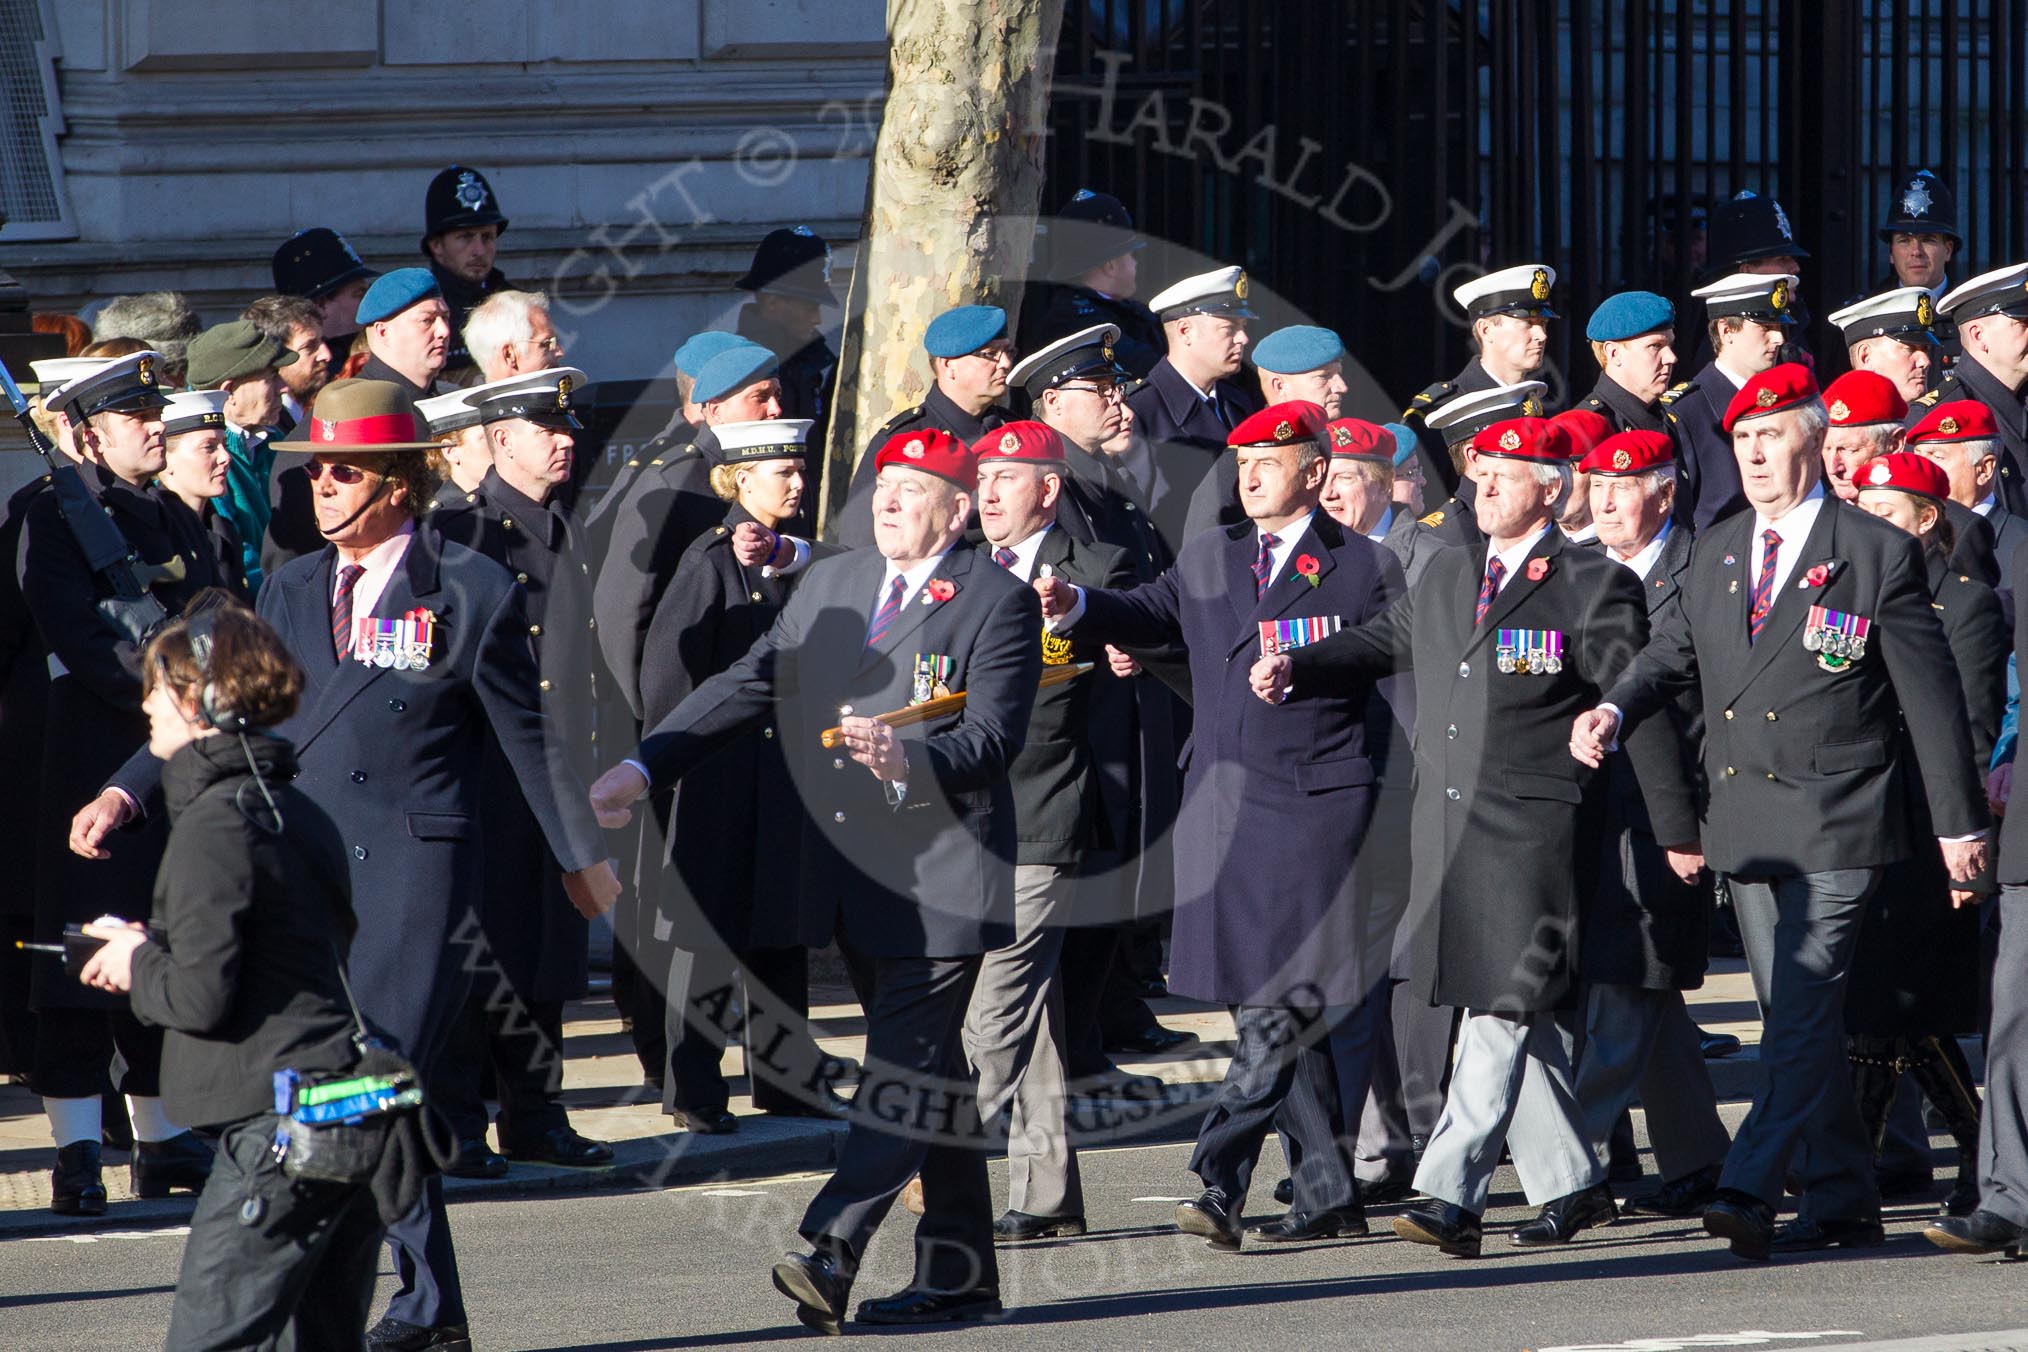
[[1644, 559], [1025, 551], [1514, 557], [379, 564], [914, 578], [1794, 529]]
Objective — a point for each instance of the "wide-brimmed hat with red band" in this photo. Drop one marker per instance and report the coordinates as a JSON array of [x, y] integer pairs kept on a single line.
[[1771, 391], [933, 451], [1028, 441], [1957, 420], [357, 416], [1907, 471], [1534, 439]]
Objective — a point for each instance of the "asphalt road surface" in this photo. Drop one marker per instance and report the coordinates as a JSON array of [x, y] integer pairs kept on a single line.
[[688, 1268]]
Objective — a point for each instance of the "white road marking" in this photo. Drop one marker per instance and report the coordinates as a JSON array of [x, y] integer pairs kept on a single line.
[[166, 1232]]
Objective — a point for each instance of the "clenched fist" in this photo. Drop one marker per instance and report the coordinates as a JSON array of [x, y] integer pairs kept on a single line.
[[1271, 676]]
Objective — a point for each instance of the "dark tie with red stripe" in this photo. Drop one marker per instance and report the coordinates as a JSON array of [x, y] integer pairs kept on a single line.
[[1489, 588], [889, 608], [1005, 557], [341, 611], [1264, 566], [1763, 590]]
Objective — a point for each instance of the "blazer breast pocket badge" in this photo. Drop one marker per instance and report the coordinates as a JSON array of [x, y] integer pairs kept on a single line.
[[931, 678], [1529, 652], [1838, 639], [1283, 636]]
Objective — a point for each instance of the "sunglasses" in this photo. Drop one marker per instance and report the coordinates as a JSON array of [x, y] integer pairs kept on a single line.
[[344, 474]]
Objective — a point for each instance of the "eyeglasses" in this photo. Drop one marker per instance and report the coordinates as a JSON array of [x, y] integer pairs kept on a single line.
[[550, 345], [344, 474], [1108, 392], [994, 356]]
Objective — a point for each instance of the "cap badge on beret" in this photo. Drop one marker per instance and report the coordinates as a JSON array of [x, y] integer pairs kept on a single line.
[[471, 192], [1916, 201], [1765, 399], [1239, 287], [1779, 297], [1838, 411], [1538, 287], [1621, 460], [1340, 436], [1510, 440], [1010, 442], [145, 372], [1949, 427], [1284, 430], [913, 450], [1879, 472], [1924, 311]]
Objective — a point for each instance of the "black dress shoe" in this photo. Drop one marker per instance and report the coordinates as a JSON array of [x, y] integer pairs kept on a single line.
[[1744, 1220], [1905, 1182], [830, 1108], [1285, 1192], [914, 1305], [476, 1159], [1803, 1235], [1717, 1046], [1559, 1221], [820, 1289], [1152, 988], [1206, 1215], [76, 1185], [1151, 1040], [1449, 1227], [1301, 1227], [1980, 1232], [709, 1122], [182, 1161], [398, 1335], [1122, 1084], [1681, 1197], [1388, 1190], [1016, 1226], [564, 1148]]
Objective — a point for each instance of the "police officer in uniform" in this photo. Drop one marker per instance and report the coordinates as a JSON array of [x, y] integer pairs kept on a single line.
[[1194, 397], [1092, 257], [1894, 334], [462, 226], [1748, 314], [319, 265], [536, 938], [93, 723], [971, 358], [1751, 233], [1922, 238], [1991, 315], [790, 279]]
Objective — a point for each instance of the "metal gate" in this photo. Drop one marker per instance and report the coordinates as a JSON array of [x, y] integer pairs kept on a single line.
[[1362, 157]]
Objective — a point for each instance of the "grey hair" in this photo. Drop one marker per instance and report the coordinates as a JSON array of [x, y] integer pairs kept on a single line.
[[1974, 449], [502, 319], [1558, 474], [161, 319], [1811, 416], [1882, 435]]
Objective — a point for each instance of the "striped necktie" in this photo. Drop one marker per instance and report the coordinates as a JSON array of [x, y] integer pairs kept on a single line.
[[341, 611], [889, 608], [1763, 587], [1264, 566], [1496, 571], [1005, 557]]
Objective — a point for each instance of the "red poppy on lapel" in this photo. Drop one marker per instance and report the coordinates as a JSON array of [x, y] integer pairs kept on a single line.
[[1819, 574], [1538, 569], [1307, 565], [941, 590]]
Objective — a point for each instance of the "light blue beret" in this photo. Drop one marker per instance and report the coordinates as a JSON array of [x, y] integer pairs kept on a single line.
[[393, 292], [964, 329], [1404, 442], [730, 369], [700, 348], [1299, 347], [1629, 315]]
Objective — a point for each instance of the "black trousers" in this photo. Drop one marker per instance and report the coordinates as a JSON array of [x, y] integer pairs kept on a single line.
[[916, 1112], [298, 1276], [1282, 1075], [521, 1044], [83, 1053], [1084, 965], [783, 1061], [1423, 1037]]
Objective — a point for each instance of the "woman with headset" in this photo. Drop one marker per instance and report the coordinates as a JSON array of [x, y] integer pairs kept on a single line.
[[240, 966]]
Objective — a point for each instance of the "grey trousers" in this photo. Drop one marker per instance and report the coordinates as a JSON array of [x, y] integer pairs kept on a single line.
[[1641, 1043], [1383, 1148], [1015, 1039], [2003, 1124], [1800, 930], [1511, 1085]]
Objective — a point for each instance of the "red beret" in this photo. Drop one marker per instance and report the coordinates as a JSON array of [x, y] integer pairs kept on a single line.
[[933, 451], [1861, 397], [1907, 471], [1626, 453], [1280, 425], [1026, 440], [1585, 430], [1537, 439], [1357, 439], [1958, 420], [1771, 391]]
